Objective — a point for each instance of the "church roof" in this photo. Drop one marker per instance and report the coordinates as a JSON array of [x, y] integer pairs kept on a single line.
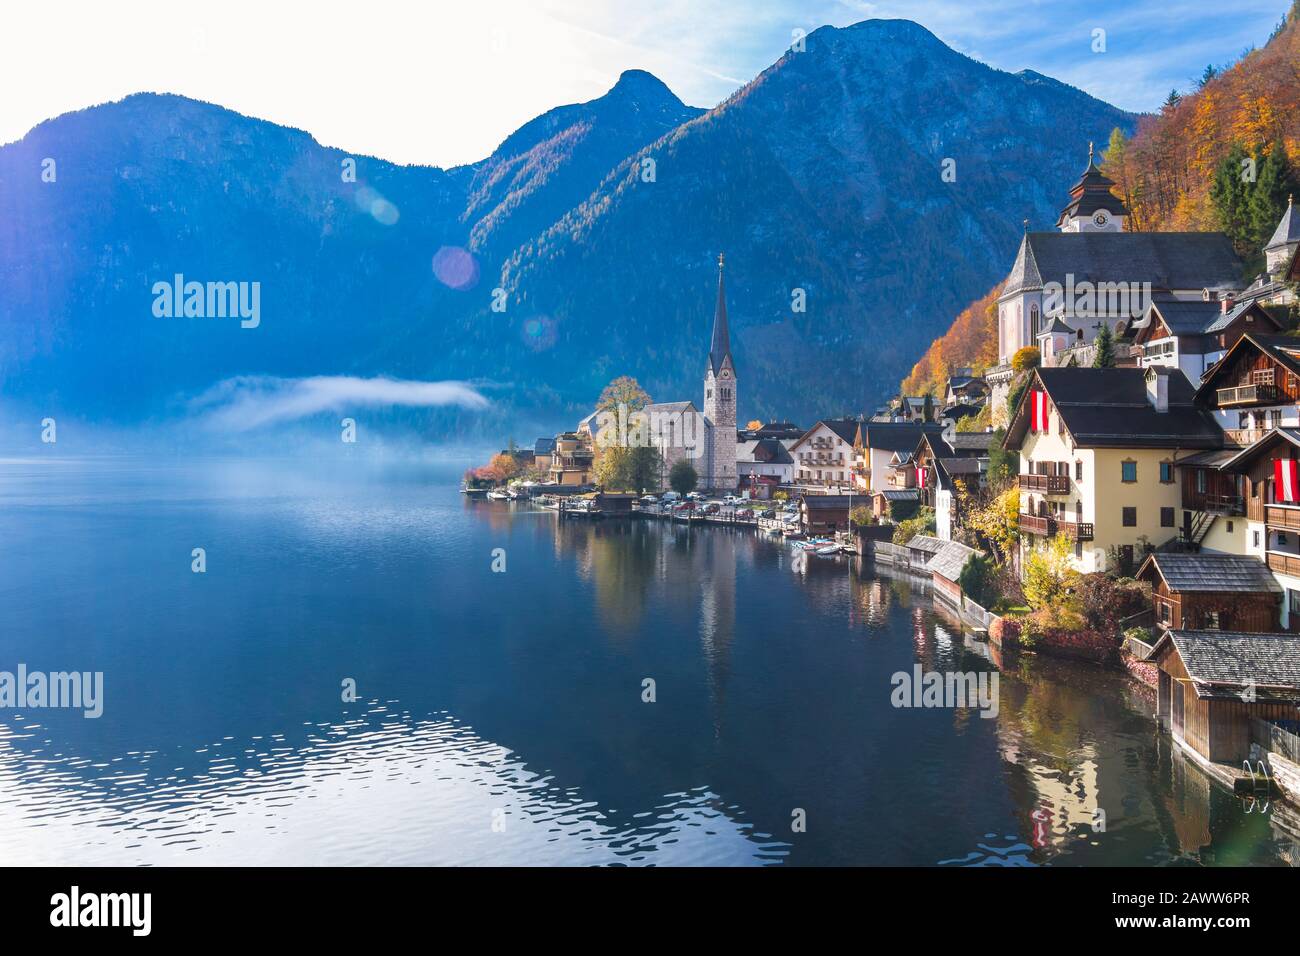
[[1288, 230], [1167, 260], [720, 348], [1092, 192]]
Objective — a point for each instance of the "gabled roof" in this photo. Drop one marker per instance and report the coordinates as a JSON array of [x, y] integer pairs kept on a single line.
[[1283, 349], [768, 451], [970, 442], [900, 494], [1283, 434], [670, 408], [1108, 408], [1167, 260], [924, 542], [1219, 660], [951, 560], [1288, 229], [544, 446], [897, 436], [829, 502], [1202, 571], [1201, 318]]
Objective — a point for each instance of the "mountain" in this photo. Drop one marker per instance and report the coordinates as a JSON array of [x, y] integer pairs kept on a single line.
[[824, 174]]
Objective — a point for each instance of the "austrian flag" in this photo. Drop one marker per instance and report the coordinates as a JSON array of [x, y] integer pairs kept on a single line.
[[920, 476], [1286, 480], [1038, 410]]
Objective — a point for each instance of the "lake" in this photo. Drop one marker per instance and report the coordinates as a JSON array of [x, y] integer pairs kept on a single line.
[[499, 715]]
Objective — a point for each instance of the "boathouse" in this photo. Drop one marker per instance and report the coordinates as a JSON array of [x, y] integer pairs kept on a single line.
[[946, 567], [823, 514], [1211, 683], [1213, 592]]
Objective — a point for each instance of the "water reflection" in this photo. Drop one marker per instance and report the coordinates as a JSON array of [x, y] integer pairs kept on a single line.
[[517, 697]]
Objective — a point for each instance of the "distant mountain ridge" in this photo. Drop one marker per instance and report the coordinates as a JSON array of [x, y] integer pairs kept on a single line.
[[822, 175]]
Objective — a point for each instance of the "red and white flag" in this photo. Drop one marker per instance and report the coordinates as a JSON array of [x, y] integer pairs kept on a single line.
[[920, 476], [1286, 480], [1038, 409]]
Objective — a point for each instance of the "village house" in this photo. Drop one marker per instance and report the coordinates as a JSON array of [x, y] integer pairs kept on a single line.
[[823, 457], [940, 463], [1255, 386], [879, 447], [964, 386], [1097, 449], [542, 452], [1212, 683], [572, 459], [1212, 592], [826, 514], [1192, 336], [763, 464]]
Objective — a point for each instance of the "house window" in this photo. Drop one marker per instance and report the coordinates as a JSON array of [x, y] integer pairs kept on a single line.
[[1200, 480], [1229, 527], [1165, 613], [1128, 471], [1292, 602], [1167, 472], [1130, 517], [1078, 471], [1210, 620], [1281, 539], [1254, 537], [1166, 517]]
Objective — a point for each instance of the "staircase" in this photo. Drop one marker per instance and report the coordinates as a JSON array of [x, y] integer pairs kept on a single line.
[[1201, 524]]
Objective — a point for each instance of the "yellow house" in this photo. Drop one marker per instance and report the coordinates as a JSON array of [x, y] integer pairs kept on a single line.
[[571, 459], [1098, 448]]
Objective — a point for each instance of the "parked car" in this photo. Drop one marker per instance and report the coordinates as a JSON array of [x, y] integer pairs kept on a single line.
[[649, 499], [684, 506], [768, 513], [695, 496], [729, 499], [671, 496], [712, 509]]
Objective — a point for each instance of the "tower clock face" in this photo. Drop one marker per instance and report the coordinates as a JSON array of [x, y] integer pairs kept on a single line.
[[726, 374], [1100, 218]]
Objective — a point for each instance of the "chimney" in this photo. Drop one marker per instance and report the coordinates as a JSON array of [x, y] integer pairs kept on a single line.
[[1227, 302], [1158, 387]]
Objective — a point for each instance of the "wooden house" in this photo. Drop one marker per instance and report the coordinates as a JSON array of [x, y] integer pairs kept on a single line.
[[1211, 683], [825, 514], [1200, 591]]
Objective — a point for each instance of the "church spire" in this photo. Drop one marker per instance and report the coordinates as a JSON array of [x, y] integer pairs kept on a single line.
[[720, 348]]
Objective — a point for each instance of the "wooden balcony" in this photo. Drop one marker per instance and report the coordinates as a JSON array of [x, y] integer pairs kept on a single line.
[[1047, 484], [1243, 436], [1227, 506], [1246, 395], [1047, 526], [1284, 563], [1281, 516]]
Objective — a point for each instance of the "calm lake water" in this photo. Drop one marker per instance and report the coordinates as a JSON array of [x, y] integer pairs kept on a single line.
[[500, 717]]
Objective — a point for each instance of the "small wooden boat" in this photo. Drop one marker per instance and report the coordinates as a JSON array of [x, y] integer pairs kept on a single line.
[[498, 495], [473, 492]]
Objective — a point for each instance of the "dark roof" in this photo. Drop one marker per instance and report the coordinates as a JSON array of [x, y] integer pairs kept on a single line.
[[898, 436], [1236, 659], [951, 559], [1168, 260], [900, 494], [720, 348], [1092, 192], [768, 451], [923, 542], [961, 466], [971, 441], [779, 430], [1199, 317], [815, 502], [544, 446], [1288, 229], [1213, 458], [1108, 408], [1212, 572]]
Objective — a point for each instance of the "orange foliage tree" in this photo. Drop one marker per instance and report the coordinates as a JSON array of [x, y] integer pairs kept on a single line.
[[972, 340]]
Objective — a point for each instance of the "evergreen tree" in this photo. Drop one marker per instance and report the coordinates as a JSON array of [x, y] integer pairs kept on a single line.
[[1267, 201], [1104, 357], [1208, 74], [927, 408], [1230, 193], [1172, 100], [683, 477]]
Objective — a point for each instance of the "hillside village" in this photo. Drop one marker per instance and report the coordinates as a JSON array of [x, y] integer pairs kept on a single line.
[[1121, 485]]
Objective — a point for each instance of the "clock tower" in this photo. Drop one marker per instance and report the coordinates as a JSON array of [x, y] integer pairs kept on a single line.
[[1093, 207], [719, 472]]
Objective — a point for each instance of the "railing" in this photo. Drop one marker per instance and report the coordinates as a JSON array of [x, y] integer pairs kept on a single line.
[[1046, 526], [1049, 484], [1243, 436], [1229, 506], [1246, 395], [1281, 737], [1284, 563], [1158, 349], [1280, 516]]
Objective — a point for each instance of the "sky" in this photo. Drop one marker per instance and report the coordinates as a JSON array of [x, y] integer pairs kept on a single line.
[[443, 83]]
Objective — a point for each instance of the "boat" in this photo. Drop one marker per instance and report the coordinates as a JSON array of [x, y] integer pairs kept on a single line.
[[827, 551], [498, 495], [473, 492]]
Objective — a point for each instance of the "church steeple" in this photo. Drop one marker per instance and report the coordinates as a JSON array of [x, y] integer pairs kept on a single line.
[[720, 348], [1093, 207]]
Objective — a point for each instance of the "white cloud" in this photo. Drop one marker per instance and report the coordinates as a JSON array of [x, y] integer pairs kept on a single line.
[[252, 401]]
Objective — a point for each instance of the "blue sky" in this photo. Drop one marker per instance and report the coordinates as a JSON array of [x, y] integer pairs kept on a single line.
[[444, 82]]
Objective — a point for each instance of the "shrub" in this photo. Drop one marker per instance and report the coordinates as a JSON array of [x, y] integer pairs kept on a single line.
[[862, 517], [921, 523], [1106, 600], [977, 580], [1026, 358]]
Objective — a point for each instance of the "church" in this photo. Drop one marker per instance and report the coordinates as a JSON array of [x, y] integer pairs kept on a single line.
[[708, 439]]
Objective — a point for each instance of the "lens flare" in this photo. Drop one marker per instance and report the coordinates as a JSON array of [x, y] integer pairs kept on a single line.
[[455, 268]]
